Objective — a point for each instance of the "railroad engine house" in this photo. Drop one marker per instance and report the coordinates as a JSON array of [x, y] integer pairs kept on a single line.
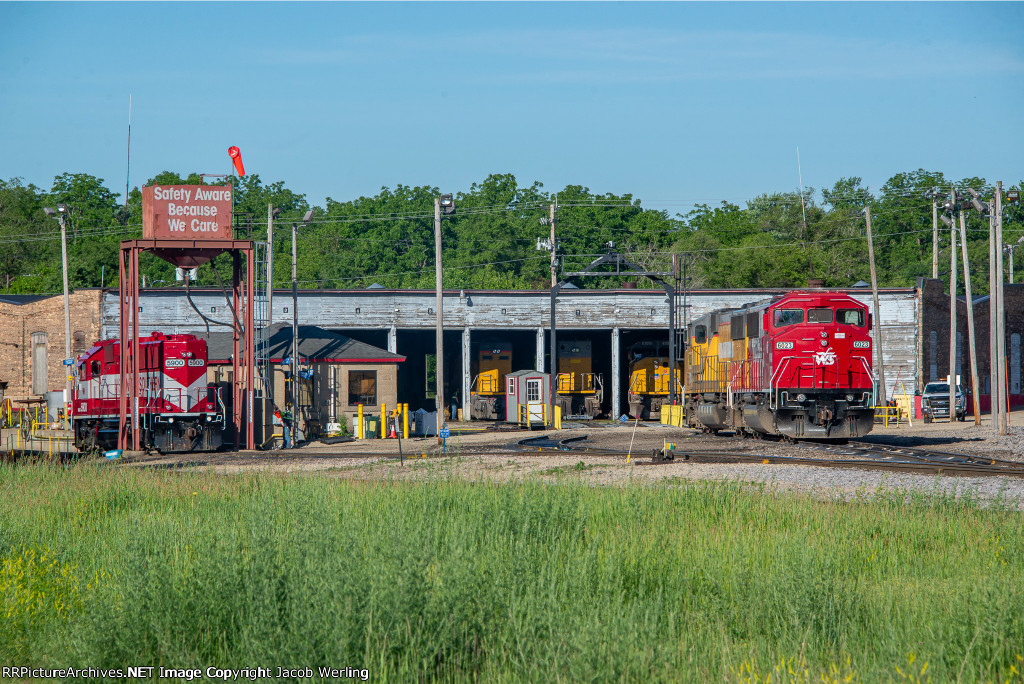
[[798, 365], [178, 411]]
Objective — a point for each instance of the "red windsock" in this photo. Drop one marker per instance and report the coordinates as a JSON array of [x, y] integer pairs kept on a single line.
[[236, 157]]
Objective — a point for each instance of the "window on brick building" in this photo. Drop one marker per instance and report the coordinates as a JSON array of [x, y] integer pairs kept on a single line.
[[362, 387], [78, 343], [40, 362], [933, 356], [1015, 363]]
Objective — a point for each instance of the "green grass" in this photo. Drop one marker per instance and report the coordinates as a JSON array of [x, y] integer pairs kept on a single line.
[[443, 579]]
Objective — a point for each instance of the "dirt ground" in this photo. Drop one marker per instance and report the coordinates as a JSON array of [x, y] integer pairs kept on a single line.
[[476, 453]]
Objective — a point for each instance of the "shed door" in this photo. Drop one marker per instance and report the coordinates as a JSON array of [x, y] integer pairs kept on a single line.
[[534, 404]]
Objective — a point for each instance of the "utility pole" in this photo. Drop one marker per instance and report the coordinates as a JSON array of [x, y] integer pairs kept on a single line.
[[295, 335], [270, 267], [935, 233], [1000, 311], [553, 388], [952, 306], [878, 316], [442, 205], [995, 391], [438, 311], [60, 213], [970, 319], [551, 220]]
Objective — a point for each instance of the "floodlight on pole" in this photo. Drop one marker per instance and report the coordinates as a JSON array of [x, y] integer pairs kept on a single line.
[[447, 205], [976, 202]]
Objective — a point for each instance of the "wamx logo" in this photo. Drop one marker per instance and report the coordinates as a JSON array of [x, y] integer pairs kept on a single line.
[[825, 358]]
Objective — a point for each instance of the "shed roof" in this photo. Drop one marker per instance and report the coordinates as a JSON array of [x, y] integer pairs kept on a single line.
[[316, 345]]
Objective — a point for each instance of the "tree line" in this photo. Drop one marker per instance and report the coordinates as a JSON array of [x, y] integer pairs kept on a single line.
[[777, 239]]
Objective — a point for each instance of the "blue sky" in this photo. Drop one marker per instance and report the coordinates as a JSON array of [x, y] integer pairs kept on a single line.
[[676, 103]]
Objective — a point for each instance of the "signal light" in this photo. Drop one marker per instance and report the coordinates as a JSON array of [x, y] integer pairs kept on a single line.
[[236, 157]]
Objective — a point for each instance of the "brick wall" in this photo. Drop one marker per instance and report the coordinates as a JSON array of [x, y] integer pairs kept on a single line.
[[19, 321], [935, 318]]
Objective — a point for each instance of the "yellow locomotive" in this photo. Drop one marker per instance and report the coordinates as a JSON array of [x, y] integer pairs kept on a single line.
[[578, 390], [487, 394], [650, 378]]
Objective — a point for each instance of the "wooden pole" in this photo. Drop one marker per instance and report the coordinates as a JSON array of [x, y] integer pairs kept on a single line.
[[878, 317], [1000, 311], [439, 364], [952, 312], [995, 391], [935, 236], [970, 319]]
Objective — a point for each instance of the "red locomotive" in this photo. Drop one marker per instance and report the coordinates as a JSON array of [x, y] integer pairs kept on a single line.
[[178, 411], [798, 365]]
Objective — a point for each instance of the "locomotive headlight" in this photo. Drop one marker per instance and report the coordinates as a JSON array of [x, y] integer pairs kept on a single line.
[[824, 343], [861, 344], [171, 419], [801, 398], [849, 397], [783, 345], [824, 333]]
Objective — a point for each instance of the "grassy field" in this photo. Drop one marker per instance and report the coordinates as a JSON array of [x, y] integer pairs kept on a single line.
[[444, 579]]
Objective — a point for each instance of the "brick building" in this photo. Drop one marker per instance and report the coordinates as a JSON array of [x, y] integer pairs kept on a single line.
[[32, 338], [345, 374], [934, 338]]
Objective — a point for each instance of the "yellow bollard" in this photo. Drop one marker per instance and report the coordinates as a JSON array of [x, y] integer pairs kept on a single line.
[[405, 421], [558, 417], [359, 428], [383, 421]]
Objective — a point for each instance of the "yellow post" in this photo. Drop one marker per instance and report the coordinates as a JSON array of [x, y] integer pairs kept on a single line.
[[558, 417], [359, 428], [405, 421], [383, 421]]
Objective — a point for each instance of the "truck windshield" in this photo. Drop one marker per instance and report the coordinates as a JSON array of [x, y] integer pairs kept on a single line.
[[936, 388]]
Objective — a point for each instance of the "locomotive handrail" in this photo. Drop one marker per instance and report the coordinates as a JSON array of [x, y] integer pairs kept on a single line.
[[772, 403], [864, 363]]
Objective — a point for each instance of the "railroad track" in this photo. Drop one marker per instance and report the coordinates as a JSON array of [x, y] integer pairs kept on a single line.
[[858, 456]]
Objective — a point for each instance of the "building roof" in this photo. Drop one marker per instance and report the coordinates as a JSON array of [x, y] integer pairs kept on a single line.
[[316, 345], [19, 299]]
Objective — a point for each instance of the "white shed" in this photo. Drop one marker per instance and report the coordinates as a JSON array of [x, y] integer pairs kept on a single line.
[[527, 393]]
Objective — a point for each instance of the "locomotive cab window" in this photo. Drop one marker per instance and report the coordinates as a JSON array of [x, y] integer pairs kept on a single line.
[[94, 368], [784, 317], [819, 315], [700, 335], [850, 317]]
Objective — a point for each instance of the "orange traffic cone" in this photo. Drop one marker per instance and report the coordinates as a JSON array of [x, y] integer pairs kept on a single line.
[[392, 435]]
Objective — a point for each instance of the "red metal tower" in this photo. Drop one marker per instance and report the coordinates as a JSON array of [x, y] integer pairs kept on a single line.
[[202, 232]]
